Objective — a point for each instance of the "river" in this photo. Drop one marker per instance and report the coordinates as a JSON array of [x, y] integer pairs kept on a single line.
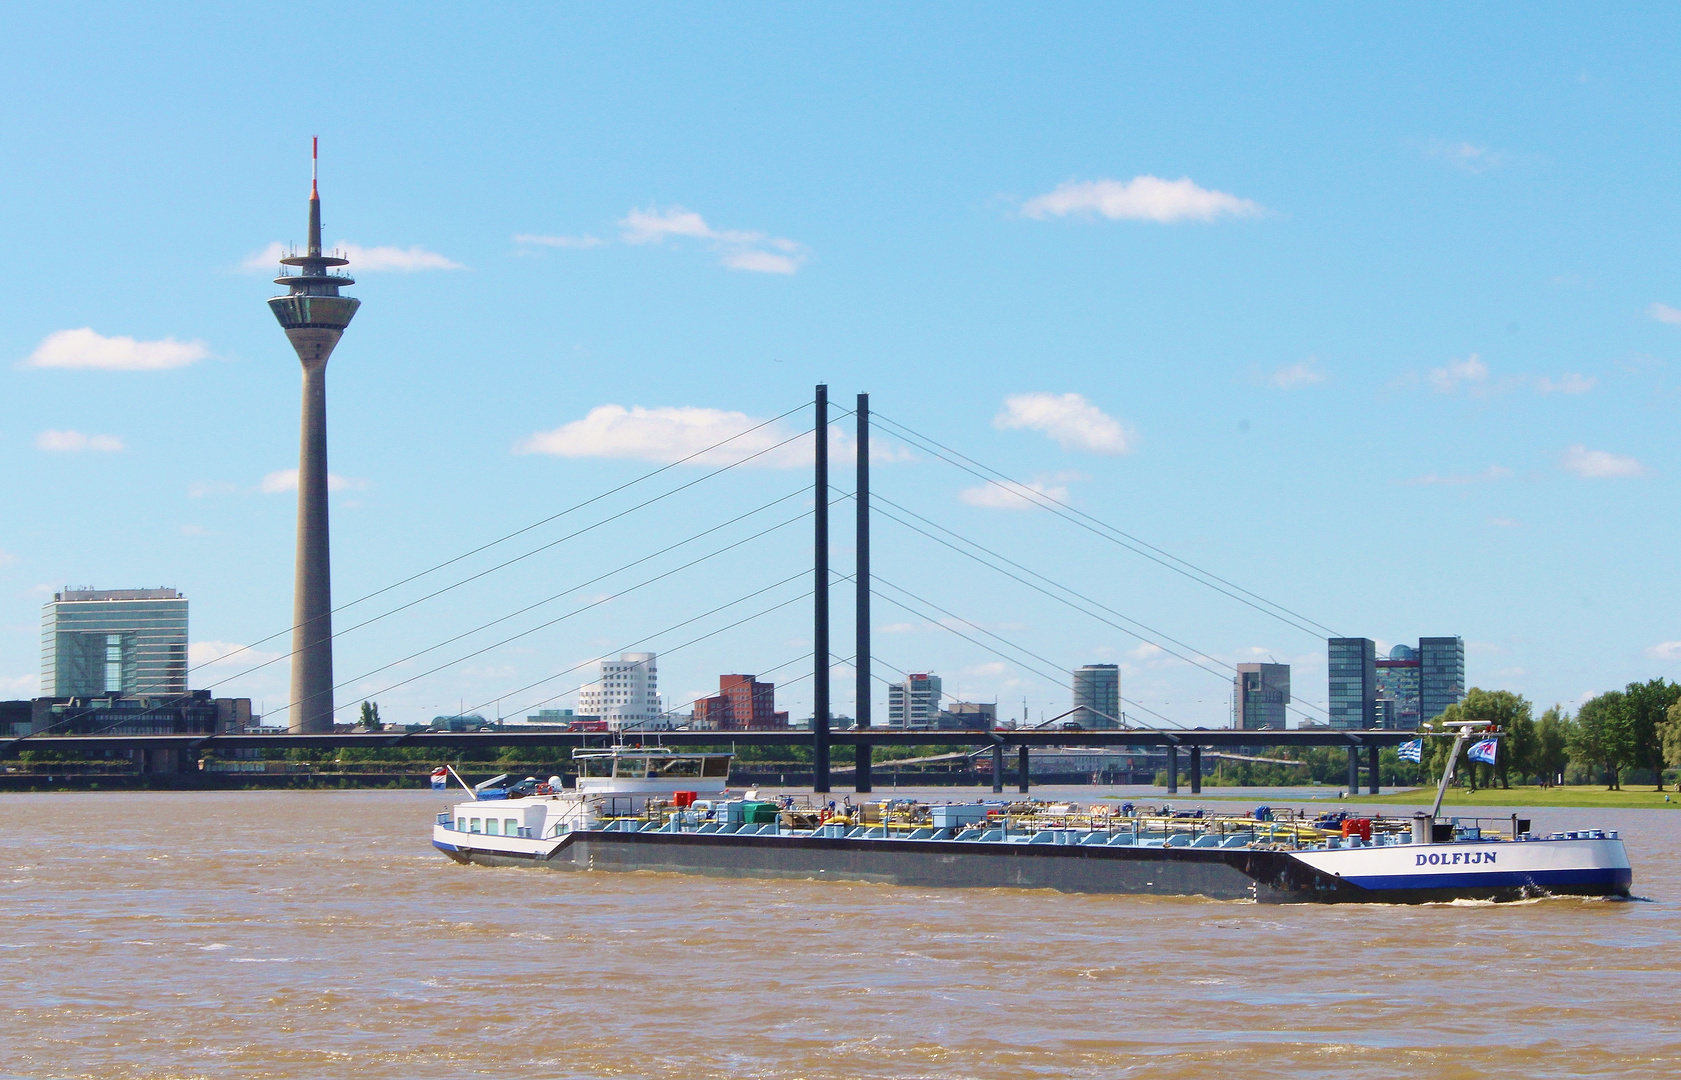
[[317, 934]]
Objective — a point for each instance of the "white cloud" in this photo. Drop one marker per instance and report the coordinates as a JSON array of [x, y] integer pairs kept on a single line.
[[405, 260], [1467, 156], [739, 249], [74, 440], [763, 262], [1303, 373], [1146, 651], [898, 628], [22, 686], [1665, 314], [1600, 464], [1505, 523], [1143, 198], [669, 434], [1469, 370], [1665, 650], [673, 433], [85, 349], [1566, 384], [365, 259], [287, 480], [1011, 496], [559, 241], [7, 558], [1072, 421], [208, 653], [1493, 472]]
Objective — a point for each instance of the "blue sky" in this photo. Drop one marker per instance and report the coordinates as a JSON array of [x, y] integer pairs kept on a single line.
[[1372, 312]]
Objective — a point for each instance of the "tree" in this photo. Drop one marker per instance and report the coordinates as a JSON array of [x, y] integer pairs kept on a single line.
[[1669, 735], [1601, 735], [1645, 709], [1521, 745], [1552, 745], [370, 715]]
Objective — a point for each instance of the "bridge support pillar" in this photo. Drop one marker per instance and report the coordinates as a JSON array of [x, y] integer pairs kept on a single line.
[[1196, 770], [1173, 770], [1374, 779], [1021, 769], [997, 767], [1353, 770]]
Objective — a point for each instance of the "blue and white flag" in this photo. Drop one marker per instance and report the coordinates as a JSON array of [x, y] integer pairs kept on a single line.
[[1483, 752], [1411, 751]]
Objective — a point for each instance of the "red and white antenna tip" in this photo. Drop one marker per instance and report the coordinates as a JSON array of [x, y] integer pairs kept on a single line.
[[314, 158]]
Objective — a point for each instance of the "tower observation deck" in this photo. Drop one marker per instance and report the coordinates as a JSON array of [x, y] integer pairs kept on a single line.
[[314, 316]]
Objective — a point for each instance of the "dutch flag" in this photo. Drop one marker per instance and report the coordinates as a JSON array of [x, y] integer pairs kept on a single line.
[[440, 778]]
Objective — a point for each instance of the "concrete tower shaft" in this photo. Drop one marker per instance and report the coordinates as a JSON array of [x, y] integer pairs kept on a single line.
[[314, 316]]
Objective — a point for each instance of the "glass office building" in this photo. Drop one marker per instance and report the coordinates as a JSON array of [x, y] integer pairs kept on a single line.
[[1097, 696], [1260, 693], [1353, 682], [1441, 680], [114, 641], [1398, 684]]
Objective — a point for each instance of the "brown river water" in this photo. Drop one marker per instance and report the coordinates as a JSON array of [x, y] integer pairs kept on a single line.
[[317, 934]]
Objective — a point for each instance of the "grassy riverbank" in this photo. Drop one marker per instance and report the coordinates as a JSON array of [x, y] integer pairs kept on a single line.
[[1643, 798]]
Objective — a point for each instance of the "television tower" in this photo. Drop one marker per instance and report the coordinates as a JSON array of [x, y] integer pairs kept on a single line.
[[314, 316]]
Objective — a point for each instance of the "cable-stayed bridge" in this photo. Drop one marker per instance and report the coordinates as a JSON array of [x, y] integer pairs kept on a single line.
[[780, 520]]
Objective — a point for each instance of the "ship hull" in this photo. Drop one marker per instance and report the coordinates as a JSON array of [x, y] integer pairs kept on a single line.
[[1264, 876]]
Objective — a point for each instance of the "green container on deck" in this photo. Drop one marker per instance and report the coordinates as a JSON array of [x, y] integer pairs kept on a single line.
[[758, 813]]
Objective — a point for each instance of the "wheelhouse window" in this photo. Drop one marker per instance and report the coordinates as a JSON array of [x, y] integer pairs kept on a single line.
[[631, 768], [674, 767], [717, 765]]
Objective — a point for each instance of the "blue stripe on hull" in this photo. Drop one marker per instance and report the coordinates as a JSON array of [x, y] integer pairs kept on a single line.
[[1609, 878]]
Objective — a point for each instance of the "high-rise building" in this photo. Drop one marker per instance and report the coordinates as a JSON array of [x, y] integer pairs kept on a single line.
[[1398, 684], [626, 695], [742, 703], [914, 703], [1260, 693], [1441, 677], [314, 316], [1410, 687], [1097, 696], [114, 641], [1352, 663]]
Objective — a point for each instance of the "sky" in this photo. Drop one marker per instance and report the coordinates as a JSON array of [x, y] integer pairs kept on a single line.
[[1373, 313]]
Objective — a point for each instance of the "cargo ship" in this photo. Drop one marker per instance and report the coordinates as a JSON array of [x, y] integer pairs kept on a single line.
[[658, 810]]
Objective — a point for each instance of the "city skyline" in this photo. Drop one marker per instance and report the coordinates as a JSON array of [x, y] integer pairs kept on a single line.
[[1135, 308]]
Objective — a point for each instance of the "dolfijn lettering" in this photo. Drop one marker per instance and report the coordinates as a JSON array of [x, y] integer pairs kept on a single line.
[[1457, 858]]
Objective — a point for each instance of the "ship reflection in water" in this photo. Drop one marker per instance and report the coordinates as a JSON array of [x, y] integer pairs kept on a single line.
[[305, 934]]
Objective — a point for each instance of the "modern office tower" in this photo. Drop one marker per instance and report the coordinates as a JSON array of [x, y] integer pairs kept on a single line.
[[114, 641], [914, 703], [314, 316], [742, 703], [1097, 696], [626, 695], [1398, 683], [1353, 681], [1260, 693], [1441, 679]]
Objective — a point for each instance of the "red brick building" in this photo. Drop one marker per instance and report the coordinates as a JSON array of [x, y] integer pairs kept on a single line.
[[741, 704]]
